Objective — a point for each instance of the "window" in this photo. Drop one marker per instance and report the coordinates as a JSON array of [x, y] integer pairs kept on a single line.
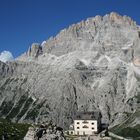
[[93, 128], [85, 126], [71, 132], [77, 122], [92, 123], [77, 127], [77, 132], [78, 116]]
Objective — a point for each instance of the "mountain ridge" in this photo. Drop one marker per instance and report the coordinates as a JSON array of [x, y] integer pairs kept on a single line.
[[91, 65]]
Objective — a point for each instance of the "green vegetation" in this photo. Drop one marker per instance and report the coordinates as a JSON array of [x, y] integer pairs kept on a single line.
[[25, 108], [126, 130], [114, 138], [15, 131], [133, 132], [33, 113], [137, 138], [6, 107], [71, 137], [17, 107], [138, 98]]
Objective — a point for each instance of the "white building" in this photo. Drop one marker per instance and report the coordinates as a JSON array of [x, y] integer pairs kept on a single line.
[[86, 123]]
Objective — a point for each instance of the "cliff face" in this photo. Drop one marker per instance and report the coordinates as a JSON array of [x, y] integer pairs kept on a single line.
[[91, 65]]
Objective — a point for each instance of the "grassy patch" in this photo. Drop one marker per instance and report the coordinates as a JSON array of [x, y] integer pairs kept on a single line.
[[15, 131], [25, 108], [34, 112], [71, 137], [138, 98], [5, 107], [114, 138], [133, 132], [126, 130], [17, 107]]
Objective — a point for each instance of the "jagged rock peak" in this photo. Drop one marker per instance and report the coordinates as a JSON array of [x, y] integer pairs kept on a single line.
[[121, 19], [95, 32], [35, 50], [113, 17], [92, 30]]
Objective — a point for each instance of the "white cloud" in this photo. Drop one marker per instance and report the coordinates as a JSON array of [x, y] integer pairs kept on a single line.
[[6, 56]]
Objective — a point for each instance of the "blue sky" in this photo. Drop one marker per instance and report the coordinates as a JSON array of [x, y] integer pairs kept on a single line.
[[23, 22]]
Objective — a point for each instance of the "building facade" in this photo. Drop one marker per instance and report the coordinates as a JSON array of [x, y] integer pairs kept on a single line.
[[86, 123], [85, 127]]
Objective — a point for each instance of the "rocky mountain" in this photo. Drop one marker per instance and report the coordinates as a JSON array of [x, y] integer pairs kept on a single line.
[[91, 65]]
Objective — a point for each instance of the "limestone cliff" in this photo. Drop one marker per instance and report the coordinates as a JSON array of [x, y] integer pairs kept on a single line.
[[91, 65]]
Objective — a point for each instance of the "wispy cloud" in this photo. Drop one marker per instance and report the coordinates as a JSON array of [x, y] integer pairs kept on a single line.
[[6, 56]]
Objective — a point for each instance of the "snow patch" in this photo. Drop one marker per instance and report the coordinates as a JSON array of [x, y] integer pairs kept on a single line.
[[86, 62], [34, 99], [108, 58], [43, 43], [127, 46], [131, 81]]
